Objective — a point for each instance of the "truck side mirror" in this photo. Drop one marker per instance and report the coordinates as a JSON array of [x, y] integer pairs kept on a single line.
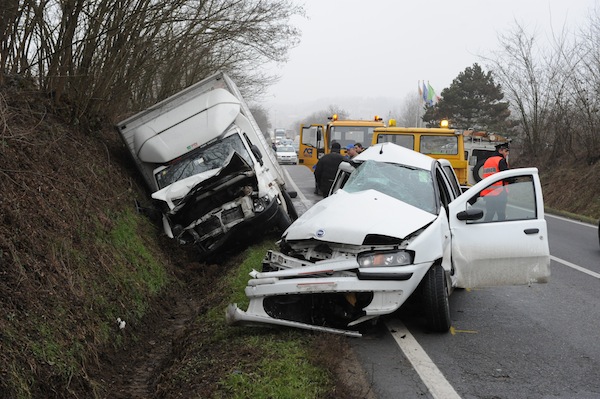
[[257, 154]]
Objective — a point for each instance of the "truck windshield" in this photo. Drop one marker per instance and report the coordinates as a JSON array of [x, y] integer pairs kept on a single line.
[[410, 185], [346, 135], [205, 158]]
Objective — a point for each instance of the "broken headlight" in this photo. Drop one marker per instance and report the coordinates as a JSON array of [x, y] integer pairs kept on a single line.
[[260, 204], [384, 259]]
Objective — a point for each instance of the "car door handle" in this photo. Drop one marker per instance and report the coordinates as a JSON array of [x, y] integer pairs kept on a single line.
[[531, 231]]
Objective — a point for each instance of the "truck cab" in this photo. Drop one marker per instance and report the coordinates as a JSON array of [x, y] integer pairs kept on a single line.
[[438, 143], [316, 139]]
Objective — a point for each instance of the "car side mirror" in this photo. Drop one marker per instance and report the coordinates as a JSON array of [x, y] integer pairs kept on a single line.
[[470, 214]]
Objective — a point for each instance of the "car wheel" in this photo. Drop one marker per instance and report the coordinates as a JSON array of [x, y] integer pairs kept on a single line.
[[435, 299], [478, 171]]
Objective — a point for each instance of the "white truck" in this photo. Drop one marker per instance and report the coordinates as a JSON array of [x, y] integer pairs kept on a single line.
[[209, 167]]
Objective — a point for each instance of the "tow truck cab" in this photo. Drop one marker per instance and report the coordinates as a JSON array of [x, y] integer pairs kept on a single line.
[[316, 139]]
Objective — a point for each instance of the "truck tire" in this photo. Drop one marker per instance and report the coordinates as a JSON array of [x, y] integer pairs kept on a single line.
[[435, 299], [478, 171], [291, 209]]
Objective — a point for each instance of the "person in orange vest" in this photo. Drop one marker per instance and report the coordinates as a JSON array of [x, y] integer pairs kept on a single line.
[[496, 194]]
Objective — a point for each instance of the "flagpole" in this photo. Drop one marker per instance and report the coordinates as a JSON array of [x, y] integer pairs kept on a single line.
[[419, 103]]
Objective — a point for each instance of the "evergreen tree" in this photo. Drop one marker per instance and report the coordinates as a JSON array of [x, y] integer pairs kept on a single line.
[[473, 100]]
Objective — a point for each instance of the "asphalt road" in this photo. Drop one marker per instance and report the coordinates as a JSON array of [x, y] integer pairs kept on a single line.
[[538, 341]]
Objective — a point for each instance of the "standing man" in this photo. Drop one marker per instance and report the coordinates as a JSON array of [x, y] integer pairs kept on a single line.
[[359, 147], [496, 194], [351, 151], [326, 169]]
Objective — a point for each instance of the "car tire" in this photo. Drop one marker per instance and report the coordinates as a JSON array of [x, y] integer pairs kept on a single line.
[[477, 171], [599, 232], [435, 299]]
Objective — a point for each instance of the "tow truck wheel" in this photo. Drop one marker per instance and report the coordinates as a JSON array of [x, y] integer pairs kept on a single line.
[[435, 298], [478, 171]]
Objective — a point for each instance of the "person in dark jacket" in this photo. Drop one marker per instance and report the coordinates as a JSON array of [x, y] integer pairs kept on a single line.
[[326, 169]]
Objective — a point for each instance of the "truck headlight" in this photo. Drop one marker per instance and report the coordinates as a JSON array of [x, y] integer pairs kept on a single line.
[[383, 259], [260, 204]]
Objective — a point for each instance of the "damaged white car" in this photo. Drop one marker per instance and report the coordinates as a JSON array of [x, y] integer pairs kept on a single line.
[[413, 233]]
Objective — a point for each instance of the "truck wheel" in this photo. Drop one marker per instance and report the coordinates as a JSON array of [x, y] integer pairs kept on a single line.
[[478, 171], [435, 299]]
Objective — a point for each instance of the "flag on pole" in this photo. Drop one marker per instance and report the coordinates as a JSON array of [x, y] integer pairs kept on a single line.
[[432, 98], [420, 89], [424, 92]]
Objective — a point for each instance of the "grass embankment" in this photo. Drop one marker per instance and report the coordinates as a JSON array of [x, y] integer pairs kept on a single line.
[[252, 362]]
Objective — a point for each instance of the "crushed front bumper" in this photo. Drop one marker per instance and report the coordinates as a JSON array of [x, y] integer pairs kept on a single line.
[[331, 295]]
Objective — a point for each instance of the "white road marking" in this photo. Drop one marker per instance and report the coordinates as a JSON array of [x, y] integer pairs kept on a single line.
[[307, 203], [593, 226], [431, 376], [574, 266]]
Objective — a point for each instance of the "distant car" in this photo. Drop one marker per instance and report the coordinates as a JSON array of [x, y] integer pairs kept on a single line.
[[287, 155], [416, 235]]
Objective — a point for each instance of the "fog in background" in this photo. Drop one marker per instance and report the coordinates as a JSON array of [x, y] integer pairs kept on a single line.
[[368, 57]]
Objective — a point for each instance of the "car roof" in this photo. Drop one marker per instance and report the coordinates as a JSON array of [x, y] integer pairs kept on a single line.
[[393, 153]]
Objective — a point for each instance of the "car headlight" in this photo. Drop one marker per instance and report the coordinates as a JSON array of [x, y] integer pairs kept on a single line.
[[384, 259]]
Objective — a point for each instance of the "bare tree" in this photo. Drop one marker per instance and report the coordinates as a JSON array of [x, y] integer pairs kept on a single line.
[[584, 77], [525, 79], [262, 119], [110, 56], [411, 111]]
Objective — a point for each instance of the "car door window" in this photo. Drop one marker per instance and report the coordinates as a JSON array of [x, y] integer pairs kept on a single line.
[[515, 200]]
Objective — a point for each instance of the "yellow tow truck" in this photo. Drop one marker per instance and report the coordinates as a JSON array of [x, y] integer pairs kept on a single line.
[[441, 142], [316, 139]]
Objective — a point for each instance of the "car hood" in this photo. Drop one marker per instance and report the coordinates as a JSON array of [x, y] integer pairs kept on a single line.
[[349, 217]]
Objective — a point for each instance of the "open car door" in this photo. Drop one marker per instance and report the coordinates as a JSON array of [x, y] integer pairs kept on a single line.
[[489, 250]]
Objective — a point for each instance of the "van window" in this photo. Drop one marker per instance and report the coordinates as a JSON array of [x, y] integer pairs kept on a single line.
[[439, 145], [404, 140]]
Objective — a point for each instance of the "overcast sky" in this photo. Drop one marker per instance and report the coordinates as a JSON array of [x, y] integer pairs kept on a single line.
[[357, 50]]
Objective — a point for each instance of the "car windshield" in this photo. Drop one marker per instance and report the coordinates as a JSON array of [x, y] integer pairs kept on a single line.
[[286, 148], [410, 185], [212, 156]]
